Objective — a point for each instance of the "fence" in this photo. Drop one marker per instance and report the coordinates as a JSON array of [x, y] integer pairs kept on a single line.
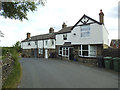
[[111, 52]]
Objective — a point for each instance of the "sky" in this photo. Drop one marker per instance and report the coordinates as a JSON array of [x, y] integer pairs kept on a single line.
[[54, 13]]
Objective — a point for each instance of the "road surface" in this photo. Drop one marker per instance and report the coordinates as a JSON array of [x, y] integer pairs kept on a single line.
[[50, 73]]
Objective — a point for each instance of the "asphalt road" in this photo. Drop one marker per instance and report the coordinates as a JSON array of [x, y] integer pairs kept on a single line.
[[48, 73]]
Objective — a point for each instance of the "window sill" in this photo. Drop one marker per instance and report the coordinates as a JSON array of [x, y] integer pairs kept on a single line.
[[85, 37], [87, 56], [64, 56]]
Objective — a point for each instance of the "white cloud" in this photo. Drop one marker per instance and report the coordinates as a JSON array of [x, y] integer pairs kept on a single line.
[[53, 15]]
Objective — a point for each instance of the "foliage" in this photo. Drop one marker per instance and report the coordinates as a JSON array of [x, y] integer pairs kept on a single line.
[[18, 10], [14, 51], [17, 46], [14, 77]]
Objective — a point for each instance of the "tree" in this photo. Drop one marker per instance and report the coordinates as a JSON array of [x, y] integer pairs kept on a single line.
[[17, 46], [18, 10]]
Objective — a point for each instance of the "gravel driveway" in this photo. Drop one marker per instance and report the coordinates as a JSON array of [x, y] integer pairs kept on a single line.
[[50, 73]]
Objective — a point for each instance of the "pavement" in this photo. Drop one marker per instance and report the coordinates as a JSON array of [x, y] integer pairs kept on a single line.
[[51, 73]]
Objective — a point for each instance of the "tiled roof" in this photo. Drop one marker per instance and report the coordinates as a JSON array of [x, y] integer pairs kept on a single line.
[[49, 35], [67, 44], [64, 30], [41, 37]]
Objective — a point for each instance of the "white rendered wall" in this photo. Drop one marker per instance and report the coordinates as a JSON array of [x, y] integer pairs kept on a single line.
[[49, 44], [26, 46], [95, 37], [105, 36], [40, 43], [60, 40]]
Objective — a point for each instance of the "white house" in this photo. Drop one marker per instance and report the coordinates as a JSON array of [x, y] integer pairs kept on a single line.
[[39, 46], [84, 40]]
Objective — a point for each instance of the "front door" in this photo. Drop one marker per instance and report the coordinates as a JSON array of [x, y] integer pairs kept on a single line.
[[35, 53], [71, 54], [46, 53]]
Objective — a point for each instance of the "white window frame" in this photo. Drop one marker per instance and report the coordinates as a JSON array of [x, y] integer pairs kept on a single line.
[[89, 51], [40, 51], [85, 30], [66, 49], [64, 36], [95, 51]]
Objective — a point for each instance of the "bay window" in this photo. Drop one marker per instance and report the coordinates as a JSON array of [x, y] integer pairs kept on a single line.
[[87, 50]]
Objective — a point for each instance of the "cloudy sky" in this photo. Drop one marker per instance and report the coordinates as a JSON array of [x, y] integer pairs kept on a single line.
[[54, 13]]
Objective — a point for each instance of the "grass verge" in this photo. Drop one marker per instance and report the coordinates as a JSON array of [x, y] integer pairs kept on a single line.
[[15, 76]]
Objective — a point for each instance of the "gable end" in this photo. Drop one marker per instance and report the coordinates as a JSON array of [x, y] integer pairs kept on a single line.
[[86, 22]]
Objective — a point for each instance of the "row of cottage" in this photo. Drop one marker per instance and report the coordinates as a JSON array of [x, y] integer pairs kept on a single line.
[[86, 39]]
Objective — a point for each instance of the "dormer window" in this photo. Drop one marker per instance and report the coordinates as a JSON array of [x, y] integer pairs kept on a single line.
[[65, 37]]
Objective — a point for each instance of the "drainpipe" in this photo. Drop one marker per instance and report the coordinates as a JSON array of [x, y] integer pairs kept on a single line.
[[43, 48]]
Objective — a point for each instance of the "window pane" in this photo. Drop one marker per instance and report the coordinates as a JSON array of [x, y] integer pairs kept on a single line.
[[85, 34], [67, 52], [52, 42], [92, 50], [85, 53], [80, 47], [39, 51], [85, 31], [85, 47], [46, 42], [63, 51], [65, 37], [60, 48], [60, 53], [92, 47], [80, 52], [93, 53]]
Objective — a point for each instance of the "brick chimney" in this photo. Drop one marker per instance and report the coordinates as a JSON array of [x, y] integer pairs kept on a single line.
[[51, 30], [64, 25], [28, 35], [101, 17]]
